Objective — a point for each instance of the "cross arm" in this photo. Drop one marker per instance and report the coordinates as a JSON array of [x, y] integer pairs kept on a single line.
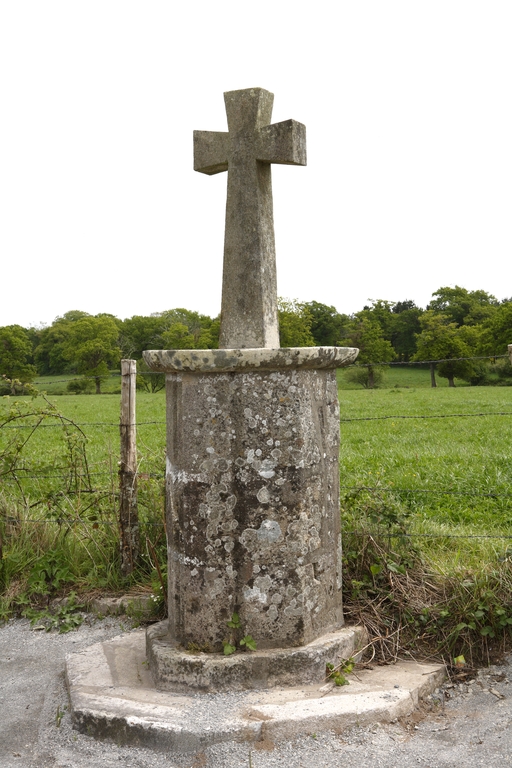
[[211, 151], [283, 143]]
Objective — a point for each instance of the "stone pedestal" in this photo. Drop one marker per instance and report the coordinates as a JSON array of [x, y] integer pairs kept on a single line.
[[253, 520]]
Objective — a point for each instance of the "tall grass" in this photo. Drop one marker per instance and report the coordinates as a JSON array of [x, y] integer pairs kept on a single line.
[[426, 503], [59, 499]]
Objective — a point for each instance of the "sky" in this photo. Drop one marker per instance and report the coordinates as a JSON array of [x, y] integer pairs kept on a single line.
[[408, 186]]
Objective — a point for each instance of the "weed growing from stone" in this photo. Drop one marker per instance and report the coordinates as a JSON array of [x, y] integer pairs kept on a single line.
[[230, 645], [337, 673]]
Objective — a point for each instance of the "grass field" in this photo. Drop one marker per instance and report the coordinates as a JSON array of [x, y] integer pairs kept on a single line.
[[426, 501], [437, 452], [455, 441]]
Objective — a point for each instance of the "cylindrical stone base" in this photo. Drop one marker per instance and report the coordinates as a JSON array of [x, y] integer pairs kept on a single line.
[[253, 520]]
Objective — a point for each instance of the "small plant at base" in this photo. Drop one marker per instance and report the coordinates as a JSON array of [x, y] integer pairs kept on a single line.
[[230, 645], [66, 618], [197, 648], [228, 648], [59, 715], [337, 674], [249, 642], [49, 573]]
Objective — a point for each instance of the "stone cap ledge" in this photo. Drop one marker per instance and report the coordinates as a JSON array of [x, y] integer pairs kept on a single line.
[[229, 360]]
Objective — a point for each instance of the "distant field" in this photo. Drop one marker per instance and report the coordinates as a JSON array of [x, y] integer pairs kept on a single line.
[[57, 385], [394, 376], [400, 376]]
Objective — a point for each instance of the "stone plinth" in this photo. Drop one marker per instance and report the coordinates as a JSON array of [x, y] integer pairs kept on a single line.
[[253, 520], [175, 669]]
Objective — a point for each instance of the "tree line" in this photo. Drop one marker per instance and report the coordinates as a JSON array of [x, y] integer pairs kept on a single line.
[[456, 325]]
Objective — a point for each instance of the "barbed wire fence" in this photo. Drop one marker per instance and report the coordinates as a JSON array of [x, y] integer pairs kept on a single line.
[[49, 488]]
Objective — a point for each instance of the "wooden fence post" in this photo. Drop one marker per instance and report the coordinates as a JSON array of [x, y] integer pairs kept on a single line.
[[128, 516]]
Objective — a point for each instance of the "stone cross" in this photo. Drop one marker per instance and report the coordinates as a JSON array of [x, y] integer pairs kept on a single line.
[[249, 288], [252, 471]]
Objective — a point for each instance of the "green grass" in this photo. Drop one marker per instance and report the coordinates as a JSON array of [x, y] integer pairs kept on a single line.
[[434, 464], [438, 452], [59, 488], [98, 418]]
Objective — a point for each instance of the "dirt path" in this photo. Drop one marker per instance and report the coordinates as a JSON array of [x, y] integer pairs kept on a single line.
[[474, 729]]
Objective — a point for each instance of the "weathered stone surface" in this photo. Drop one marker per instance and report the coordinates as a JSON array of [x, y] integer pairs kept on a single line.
[[253, 520], [249, 288], [175, 669], [217, 360]]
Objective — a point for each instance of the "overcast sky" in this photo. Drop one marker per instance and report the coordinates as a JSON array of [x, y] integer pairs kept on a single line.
[[408, 186]]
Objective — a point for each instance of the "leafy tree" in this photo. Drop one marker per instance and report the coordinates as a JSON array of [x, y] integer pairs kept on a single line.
[[91, 347], [172, 329], [367, 335], [381, 312], [399, 324], [403, 306], [178, 336], [214, 331], [327, 324], [294, 324], [442, 340], [49, 352], [15, 355], [139, 333], [463, 307], [202, 328], [496, 331], [404, 327]]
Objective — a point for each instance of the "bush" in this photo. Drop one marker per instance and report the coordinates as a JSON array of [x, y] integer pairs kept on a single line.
[[504, 370], [360, 374], [80, 386], [479, 375], [15, 387]]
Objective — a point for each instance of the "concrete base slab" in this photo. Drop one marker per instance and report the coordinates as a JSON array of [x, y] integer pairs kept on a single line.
[[113, 697]]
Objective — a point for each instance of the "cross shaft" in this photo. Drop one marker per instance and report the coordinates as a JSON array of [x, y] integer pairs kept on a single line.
[[249, 286]]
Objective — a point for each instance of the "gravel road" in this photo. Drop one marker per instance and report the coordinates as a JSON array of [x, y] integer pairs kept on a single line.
[[472, 728]]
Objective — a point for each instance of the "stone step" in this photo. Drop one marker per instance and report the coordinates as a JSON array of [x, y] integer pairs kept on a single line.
[[113, 697]]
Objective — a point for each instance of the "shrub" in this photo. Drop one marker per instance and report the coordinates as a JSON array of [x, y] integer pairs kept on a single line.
[[362, 375], [80, 386]]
